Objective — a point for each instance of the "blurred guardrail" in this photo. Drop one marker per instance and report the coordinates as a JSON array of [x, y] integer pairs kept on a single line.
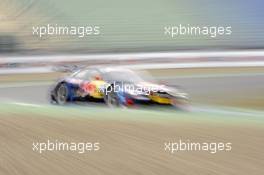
[[42, 64]]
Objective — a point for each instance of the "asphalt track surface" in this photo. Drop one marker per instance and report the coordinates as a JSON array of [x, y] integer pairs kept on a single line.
[[132, 141], [228, 90]]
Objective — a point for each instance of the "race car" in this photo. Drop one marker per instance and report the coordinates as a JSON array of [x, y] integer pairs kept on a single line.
[[117, 87]]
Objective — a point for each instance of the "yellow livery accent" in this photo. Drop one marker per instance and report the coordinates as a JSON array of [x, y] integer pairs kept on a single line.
[[97, 93], [160, 100]]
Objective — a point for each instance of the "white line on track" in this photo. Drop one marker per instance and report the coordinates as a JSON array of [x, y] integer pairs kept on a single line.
[[135, 56], [26, 104], [213, 64], [203, 109], [210, 76]]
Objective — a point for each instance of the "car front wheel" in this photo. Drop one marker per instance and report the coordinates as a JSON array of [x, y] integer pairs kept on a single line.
[[62, 94]]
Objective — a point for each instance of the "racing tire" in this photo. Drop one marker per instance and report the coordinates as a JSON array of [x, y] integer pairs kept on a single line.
[[112, 100], [52, 99], [62, 94]]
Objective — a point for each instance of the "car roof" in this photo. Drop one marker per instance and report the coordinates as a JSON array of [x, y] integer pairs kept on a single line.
[[104, 69]]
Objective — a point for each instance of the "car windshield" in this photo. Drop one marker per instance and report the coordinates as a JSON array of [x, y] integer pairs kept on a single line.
[[122, 76], [85, 74]]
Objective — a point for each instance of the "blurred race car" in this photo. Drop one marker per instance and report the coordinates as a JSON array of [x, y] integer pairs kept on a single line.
[[117, 87]]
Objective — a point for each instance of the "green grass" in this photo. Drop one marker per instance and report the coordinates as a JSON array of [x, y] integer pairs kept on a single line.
[[143, 115]]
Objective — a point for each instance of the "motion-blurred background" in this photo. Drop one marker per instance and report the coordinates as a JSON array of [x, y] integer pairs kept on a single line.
[[129, 25], [224, 77]]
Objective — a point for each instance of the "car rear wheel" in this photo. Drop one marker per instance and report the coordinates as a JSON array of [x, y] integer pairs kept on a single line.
[[112, 100]]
